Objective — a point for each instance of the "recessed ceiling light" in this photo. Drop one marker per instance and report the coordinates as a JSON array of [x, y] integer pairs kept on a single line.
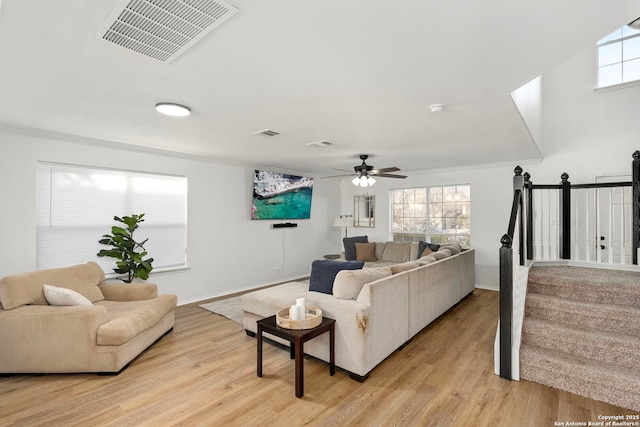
[[171, 109], [436, 108]]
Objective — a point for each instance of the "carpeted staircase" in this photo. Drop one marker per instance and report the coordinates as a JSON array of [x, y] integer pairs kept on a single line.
[[581, 332]]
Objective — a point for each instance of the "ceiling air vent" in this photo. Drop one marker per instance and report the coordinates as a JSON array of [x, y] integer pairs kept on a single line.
[[267, 132], [320, 144], [163, 29]]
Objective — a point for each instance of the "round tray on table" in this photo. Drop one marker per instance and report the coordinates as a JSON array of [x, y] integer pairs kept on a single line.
[[313, 318]]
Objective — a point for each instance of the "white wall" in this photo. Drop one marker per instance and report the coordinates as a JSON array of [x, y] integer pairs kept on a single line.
[[227, 252], [585, 134]]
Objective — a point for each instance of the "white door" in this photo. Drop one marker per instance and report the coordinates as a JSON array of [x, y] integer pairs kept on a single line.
[[613, 229]]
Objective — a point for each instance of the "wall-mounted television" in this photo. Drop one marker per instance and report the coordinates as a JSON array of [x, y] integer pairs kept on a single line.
[[281, 196]]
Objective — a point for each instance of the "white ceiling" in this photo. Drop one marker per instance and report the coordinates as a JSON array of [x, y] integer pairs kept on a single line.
[[358, 73]]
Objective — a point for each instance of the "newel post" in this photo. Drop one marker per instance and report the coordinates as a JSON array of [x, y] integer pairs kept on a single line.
[[506, 305], [565, 217], [635, 180]]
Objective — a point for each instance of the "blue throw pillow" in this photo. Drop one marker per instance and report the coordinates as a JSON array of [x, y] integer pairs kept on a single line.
[[350, 247], [323, 273]]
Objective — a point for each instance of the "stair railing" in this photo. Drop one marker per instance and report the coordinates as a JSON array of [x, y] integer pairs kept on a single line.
[[522, 216]]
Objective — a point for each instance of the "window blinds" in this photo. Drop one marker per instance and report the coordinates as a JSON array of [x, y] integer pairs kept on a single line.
[[75, 206]]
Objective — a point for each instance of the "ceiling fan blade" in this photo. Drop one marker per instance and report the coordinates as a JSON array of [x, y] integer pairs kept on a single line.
[[390, 175], [384, 170], [342, 170]]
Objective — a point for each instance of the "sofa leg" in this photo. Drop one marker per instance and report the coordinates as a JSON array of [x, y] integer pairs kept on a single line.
[[249, 333], [359, 378]]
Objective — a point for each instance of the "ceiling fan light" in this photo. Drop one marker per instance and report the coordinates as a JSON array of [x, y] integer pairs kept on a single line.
[[356, 180], [370, 181], [363, 181]]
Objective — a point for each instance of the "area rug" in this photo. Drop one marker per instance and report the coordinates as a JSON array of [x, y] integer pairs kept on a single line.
[[228, 307]]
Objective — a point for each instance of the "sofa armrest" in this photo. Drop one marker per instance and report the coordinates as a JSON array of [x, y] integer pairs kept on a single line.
[[129, 291], [43, 338]]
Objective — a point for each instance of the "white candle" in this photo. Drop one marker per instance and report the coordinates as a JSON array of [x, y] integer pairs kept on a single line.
[[301, 312], [293, 312], [300, 301]]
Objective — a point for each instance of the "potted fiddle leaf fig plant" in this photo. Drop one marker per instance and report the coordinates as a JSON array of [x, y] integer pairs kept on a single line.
[[128, 253]]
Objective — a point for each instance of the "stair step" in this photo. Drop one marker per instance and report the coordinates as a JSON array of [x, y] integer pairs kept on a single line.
[[619, 287], [614, 318], [616, 385], [618, 349]]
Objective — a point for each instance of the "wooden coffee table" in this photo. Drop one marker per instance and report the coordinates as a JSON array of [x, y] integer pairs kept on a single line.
[[297, 338]]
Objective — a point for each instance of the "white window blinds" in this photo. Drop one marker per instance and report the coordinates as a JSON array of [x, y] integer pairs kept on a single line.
[[75, 206]]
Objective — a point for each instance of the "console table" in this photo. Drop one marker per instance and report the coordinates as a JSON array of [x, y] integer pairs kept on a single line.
[[297, 338]]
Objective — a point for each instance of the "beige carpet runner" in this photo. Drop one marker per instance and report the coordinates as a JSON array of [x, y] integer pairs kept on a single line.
[[581, 332]]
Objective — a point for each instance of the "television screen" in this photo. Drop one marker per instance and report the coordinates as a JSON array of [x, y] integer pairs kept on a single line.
[[281, 196]]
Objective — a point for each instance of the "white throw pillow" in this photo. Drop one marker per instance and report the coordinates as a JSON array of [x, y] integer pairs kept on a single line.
[[64, 296]]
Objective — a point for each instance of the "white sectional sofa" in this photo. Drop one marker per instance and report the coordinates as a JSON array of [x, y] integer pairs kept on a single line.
[[380, 317]]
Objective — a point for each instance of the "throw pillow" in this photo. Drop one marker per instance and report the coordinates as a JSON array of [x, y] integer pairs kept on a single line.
[[350, 247], [64, 296], [365, 252], [422, 245], [323, 273], [349, 283], [427, 251]]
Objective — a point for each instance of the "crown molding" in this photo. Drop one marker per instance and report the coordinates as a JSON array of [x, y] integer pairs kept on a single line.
[[126, 146]]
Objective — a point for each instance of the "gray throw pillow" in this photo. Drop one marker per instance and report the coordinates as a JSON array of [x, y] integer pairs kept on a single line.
[[350, 246]]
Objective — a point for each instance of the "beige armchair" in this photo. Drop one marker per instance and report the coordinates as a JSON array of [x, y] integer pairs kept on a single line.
[[121, 321]]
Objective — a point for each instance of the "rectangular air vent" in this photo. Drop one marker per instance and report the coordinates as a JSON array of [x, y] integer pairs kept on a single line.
[[163, 29], [267, 132], [320, 144]]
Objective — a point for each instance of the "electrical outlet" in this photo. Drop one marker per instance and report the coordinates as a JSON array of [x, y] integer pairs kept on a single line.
[[277, 269]]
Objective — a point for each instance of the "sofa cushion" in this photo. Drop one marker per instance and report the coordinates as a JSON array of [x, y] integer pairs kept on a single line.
[[266, 302], [365, 252], [397, 252], [425, 260], [26, 288], [404, 266], [63, 296], [349, 283], [380, 250], [441, 254], [350, 248], [455, 249], [127, 319], [323, 273]]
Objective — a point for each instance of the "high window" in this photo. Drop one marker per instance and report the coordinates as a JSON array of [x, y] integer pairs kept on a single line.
[[619, 57], [75, 206], [437, 214]]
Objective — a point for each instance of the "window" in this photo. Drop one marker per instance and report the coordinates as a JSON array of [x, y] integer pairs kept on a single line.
[[75, 206], [437, 214], [619, 57]]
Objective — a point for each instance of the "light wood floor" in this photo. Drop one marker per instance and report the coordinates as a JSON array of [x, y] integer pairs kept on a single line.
[[204, 374]]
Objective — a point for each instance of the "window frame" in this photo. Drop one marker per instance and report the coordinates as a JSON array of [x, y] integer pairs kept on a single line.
[[425, 229], [609, 40], [73, 216]]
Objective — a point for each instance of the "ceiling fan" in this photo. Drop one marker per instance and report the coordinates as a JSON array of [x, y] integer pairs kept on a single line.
[[364, 173]]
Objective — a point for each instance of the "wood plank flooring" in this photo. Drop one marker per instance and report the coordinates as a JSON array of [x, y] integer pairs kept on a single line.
[[204, 374]]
